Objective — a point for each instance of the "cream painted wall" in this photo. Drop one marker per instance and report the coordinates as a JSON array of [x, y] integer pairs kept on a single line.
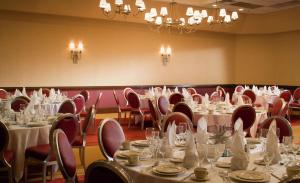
[[268, 59], [34, 53]]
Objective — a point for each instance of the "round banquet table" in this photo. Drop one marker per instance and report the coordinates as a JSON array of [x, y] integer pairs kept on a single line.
[[142, 172], [21, 138]]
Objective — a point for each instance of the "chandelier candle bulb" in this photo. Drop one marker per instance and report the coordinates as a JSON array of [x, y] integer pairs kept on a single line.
[[72, 45], [102, 4], [118, 2], [227, 19], [222, 12], [163, 11], [158, 20], [153, 12], [204, 13], [197, 14], [234, 15], [189, 11]]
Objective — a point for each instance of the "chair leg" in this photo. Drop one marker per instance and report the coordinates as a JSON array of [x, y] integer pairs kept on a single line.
[[10, 174], [82, 157], [129, 120], [25, 172], [119, 117], [125, 116], [52, 172], [142, 122], [44, 172]]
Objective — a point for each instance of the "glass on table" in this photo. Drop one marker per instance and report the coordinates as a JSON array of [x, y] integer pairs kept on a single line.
[[148, 133], [268, 158], [202, 153], [212, 154]]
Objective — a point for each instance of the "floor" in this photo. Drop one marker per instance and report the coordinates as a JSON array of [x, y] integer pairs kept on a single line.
[[93, 152]]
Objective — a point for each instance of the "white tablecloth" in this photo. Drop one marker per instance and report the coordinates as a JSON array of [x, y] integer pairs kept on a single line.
[[143, 174], [22, 138]]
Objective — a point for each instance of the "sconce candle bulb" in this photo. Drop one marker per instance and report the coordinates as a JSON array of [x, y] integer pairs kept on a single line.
[[76, 51], [166, 54]]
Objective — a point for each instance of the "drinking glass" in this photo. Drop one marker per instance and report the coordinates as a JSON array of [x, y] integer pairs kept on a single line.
[[202, 153], [149, 134], [287, 142], [295, 148], [212, 154], [182, 132], [268, 158]]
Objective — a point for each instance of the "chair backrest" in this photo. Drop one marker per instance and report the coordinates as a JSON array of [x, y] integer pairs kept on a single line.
[[159, 89], [86, 95], [98, 99], [89, 119], [185, 109], [126, 91], [246, 99], [46, 91], [4, 139], [239, 89], [110, 137], [116, 98], [176, 117], [18, 101], [286, 95], [215, 97], [64, 155], [246, 113], [281, 123], [3, 94], [250, 94], [197, 97], [175, 98], [163, 105], [106, 171], [133, 100], [221, 91], [191, 91], [153, 111], [277, 106], [68, 106], [67, 123], [79, 103], [296, 94]]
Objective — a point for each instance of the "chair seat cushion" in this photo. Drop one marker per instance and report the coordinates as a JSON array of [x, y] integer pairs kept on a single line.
[[39, 152], [78, 141], [295, 104], [125, 108], [9, 156], [144, 110]]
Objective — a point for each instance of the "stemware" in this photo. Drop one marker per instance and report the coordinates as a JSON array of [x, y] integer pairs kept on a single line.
[[268, 158], [149, 134], [287, 144], [202, 153], [212, 154]]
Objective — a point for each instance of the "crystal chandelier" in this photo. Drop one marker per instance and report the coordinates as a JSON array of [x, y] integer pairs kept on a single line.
[[121, 8], [189, 22]]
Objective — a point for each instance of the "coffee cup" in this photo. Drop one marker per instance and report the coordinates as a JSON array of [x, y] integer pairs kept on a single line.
[[133, 159], [200, 173], [126, 145], [292, 170]]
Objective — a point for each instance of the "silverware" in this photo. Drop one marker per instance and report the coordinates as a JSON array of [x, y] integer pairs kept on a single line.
[[186, 177], [275, 176]]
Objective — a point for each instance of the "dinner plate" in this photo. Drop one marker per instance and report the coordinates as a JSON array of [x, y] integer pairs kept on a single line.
[[249, 176], [176, 160], [33, 124], [194, 178], [126, 153], [261, 162], [129, 164], [140, 143], [168, 169], [253, 141], [222, 164]]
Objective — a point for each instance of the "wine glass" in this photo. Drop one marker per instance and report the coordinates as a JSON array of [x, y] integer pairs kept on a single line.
[[182, 132], [287, 142], [212, 154], [202, 153], [268, 158], [149, 134]]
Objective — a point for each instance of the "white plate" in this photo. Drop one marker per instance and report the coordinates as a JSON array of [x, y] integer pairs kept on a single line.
[[237, 175], [169, 169], [140, 143], [128, 164], [33, 124], [253, 141], [126, 153], [194, 178], [176, 160], [222, 164]]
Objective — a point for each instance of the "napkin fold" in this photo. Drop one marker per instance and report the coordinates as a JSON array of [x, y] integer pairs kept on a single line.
[[240, 100], [201, 135], [24, 93], [191, 156], [176, 90], [171, 133], [227, 100], [17, 93], [272, 143], [240, 159]]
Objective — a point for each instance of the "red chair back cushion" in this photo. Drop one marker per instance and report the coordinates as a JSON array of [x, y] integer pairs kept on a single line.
[[277, 106], [239, 88], [67, 106], [46, 91], [17, 102], [69, 124], [296, 94], [163, 105], [281, 123], [185, 109], [112, 137], [79, 103], [175, 98], [246, 113], [3, 94], [85, 94], [133, 100], [198, 98], [250, 94], [176, 117], [286, 95]]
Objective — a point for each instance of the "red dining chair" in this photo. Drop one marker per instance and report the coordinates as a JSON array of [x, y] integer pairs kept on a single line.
[[191, 91], [110, 137], [79, 103], [281, 123], [239, 89], [86, 95], [295, 102], [215, 97], [250, 94], [136, 109], [175, 98], [246, 99], [163, 105], [159, 89], [80, 139], [3, 94], [221, 92], [185, 109], [68, 106], [197, 97], [286, 95], [125, 94], [106, 171], [18, 102], [154, 115], [246, 113], [176, 117], [6, 156], [46, 92], [121, 109], [42, 154], [64, 155], [277, 106], [98, 99]]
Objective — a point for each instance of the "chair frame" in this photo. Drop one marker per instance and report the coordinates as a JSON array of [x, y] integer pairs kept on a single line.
[[71, 101], [188, 107], [100, 141], [82, 97], [173, 95], [55, 149], [26, 100], [6, 93], [46, 162], [7, 166], [91, 118], [156, 121], [120, 111], [190, 126], [157, 104], [111, 166]]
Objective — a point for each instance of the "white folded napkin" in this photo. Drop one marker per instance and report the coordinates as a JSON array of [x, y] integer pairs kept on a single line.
[[240, 159], [272, 143], [40, 93], [176, 90], [24, 93], [171, 133], [240, 100], [227, 100], [164, 91], [17, 93], [191, 155], [201, 134]]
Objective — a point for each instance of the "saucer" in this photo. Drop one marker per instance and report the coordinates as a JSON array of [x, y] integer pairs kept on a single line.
[[136, 164], [199, 180]]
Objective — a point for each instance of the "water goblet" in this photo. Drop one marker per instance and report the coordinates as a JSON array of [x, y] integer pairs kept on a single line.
[[202, 153], [149, 134], [212, 154]]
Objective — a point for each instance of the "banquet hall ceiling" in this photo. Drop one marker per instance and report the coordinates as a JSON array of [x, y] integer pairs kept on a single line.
[[249, 6]]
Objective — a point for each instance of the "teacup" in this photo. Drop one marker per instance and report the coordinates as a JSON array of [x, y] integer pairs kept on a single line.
[[126, 145], [292, 170], [200, 172], [133, 159]]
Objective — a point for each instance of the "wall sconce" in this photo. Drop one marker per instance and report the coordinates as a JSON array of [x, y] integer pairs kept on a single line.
[[76, 51], [166, 54]]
